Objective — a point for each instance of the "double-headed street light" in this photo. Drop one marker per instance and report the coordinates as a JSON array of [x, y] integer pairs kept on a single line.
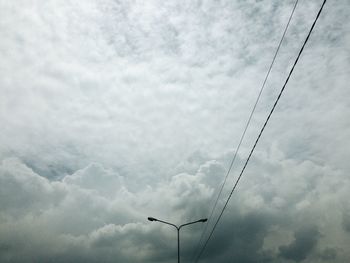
[[178, 230]]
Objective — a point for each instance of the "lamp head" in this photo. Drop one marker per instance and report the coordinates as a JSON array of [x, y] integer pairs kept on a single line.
[[151, 219], [203, 220]]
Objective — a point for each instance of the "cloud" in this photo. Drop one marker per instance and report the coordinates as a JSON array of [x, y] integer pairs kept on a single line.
[[108, 184], [116, 82], [329, 254], [305, 240], [282, 210], [112, 111], [90, 213], [81, 218], [346, 221]]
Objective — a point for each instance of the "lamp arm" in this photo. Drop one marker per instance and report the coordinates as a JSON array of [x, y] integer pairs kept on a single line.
[[168, 223], [190, 223]]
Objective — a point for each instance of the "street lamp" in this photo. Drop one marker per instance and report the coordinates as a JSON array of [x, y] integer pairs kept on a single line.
[[178, 230]]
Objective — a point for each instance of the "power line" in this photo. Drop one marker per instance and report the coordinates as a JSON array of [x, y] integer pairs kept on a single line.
[[246, 126], [261, 131]]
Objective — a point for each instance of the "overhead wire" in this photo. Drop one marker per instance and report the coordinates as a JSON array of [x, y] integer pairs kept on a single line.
[[261, 131], [246, 126]]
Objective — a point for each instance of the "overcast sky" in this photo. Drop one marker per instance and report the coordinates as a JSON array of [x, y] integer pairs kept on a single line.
[[112, 111]]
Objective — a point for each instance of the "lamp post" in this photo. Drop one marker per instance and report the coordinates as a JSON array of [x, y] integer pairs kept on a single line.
[[178, 230]]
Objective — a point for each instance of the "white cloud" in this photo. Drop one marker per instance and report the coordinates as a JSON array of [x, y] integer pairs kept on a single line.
[[78, 211]]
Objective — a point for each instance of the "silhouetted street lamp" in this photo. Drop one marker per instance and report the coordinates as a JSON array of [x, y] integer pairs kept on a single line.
[[178, 230]]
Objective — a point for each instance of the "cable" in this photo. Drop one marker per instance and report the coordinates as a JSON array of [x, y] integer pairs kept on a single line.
[[261, 131], [246, 127]]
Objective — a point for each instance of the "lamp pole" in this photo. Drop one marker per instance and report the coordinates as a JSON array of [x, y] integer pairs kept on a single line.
[[178, 230]]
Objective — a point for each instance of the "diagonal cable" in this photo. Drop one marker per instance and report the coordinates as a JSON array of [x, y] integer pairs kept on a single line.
[[261, 131], [246, 127]]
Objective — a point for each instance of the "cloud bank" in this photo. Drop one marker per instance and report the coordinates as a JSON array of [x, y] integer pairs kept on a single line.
[[277, 216]]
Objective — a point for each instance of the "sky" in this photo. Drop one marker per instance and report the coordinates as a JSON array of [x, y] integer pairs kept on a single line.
[[113, 110]]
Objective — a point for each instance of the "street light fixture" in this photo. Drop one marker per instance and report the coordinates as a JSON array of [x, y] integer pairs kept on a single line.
[[178, 230]]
